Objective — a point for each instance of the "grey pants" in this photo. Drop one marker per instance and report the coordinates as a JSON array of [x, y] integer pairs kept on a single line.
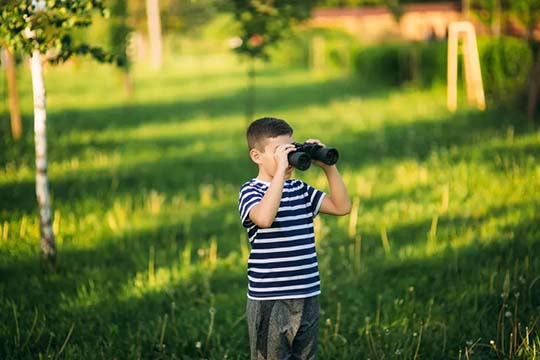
[[283, 329]]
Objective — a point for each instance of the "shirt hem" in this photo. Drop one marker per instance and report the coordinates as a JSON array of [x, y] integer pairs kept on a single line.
[[285, 297]]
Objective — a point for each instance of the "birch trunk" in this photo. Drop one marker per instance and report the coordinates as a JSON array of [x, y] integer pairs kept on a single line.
[[48, 246], [154, 33], [14, 110]]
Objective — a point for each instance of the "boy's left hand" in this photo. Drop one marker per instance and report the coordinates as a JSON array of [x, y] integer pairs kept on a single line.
[[317, 162]]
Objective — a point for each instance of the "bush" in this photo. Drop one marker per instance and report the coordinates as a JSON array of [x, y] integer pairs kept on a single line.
[[399, 63], [505, 64], [297, 50]]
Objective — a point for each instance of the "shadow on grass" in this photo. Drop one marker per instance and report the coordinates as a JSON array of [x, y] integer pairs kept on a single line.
[[418, 140], [458, 288], [106, 290], [269, 98], [174, 173], [107, 319], [115, 259]]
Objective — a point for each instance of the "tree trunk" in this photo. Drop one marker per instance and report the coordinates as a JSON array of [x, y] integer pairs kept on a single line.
[[154, 33], [496, 18], [250, 100], [534, 84], [128, 83], [14, 110], [48, 246]]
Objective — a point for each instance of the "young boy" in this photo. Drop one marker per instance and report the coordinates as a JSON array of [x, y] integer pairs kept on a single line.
[[282, 307]]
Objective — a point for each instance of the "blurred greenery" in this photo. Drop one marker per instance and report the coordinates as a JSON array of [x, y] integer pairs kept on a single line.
[[336, 49], [505, 64], [442, 257]]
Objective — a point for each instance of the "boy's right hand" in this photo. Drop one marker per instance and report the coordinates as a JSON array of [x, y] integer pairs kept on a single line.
[[281, 157]]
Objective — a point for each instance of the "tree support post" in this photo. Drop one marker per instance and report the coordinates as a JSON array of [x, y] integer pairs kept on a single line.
[[473, 75]]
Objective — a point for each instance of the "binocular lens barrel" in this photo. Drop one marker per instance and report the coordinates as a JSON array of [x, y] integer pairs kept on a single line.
[[299, 160], [328, 156]]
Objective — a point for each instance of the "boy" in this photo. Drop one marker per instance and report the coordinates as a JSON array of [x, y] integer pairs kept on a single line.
[[282, 307]]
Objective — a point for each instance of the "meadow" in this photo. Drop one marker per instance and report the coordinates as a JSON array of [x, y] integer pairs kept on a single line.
[[439, 258]]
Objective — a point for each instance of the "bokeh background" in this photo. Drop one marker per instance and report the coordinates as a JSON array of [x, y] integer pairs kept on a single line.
[[439, 258]]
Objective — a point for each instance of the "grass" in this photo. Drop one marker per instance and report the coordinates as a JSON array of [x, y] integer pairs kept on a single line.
[[440, 259]]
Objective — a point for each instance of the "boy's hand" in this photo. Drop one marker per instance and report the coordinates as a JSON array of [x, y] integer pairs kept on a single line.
[[281, 157], [317, 162]]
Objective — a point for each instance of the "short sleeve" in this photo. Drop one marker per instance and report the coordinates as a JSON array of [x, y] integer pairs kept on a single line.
[[248, 198], [315, 198]]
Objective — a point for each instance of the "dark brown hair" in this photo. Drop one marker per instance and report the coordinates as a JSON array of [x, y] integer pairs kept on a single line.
[[264, 128]]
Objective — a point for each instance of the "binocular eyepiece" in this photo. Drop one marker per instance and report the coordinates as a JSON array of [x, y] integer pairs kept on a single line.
[[304, 153]]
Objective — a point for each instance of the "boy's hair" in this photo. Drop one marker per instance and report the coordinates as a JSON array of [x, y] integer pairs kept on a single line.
[[264, 128]]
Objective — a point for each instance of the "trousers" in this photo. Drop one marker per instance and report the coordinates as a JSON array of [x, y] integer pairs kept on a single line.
[[283, 329]]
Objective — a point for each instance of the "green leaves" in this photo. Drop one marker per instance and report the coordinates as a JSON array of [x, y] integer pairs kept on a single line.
[[46, 25], [265, 22]]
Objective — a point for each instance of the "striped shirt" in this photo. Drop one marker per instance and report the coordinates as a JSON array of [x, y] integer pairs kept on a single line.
[[282, 262]]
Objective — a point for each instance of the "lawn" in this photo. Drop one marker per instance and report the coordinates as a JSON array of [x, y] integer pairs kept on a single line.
[[440, 257]]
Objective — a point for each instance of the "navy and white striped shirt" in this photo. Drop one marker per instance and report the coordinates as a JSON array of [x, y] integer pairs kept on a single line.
[[282, 262]]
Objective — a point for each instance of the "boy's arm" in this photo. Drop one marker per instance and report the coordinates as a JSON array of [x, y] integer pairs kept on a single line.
[[338, 201], [264, 213]]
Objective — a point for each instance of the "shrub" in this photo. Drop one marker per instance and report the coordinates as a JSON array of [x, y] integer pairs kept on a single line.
[[297, 49], [505, 64], [399, 63]]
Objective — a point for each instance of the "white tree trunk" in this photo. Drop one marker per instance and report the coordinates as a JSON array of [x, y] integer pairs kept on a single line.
[[154, 33], [48, 246]]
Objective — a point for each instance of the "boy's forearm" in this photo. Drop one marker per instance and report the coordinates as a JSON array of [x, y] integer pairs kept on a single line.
[[264, 213], [338, 191]]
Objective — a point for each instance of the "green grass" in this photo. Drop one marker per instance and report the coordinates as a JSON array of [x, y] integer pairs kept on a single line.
[[442, 258]]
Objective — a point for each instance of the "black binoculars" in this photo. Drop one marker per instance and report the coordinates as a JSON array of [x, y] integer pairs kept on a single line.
[[304, 153]]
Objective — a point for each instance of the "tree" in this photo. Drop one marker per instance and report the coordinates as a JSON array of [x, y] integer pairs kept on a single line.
[[43, 30], [262, 23], [118, 40], [154, 33], [528, 11], [14, 110], [395, 9], [490, 13], [175, 15]]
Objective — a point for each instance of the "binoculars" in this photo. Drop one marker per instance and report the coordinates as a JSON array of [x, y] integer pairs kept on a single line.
[[304, 153]]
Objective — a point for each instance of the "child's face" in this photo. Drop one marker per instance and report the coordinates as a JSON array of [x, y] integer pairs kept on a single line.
[[266, 159]]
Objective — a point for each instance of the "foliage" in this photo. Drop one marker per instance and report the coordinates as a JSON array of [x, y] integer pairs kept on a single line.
[[359, 3], [119, 31], [504, 62], [525, 12], [398, 63], [505, 66], [184, 16], [47, 26], [297, 49], [486, 10], [263, 23], [528, 11]]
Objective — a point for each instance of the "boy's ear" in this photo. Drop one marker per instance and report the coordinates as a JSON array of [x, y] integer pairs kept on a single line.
[[255, 156]]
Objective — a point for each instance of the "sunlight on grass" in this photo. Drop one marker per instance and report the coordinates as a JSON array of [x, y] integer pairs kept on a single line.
[[145, 192]]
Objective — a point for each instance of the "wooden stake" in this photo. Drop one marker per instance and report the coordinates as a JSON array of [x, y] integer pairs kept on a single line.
[[353, 217], [473, 75], [5, 231], [384, 239]]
